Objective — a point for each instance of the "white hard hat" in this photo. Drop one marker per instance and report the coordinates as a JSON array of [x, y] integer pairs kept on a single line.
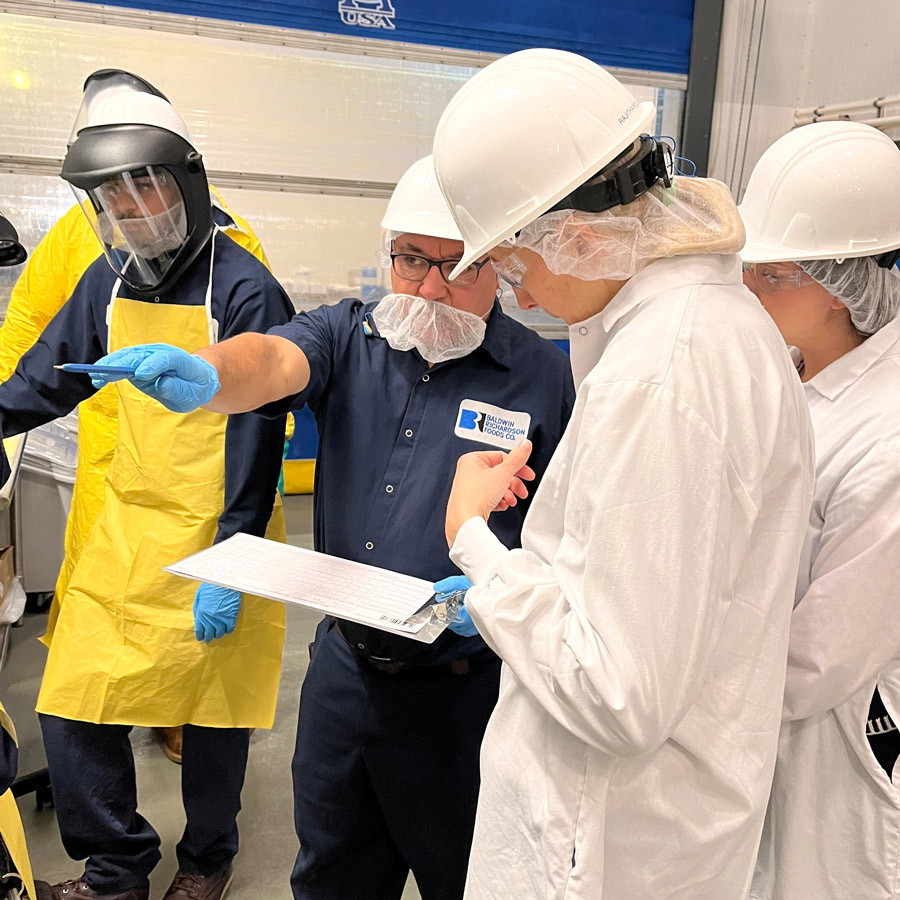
[[522, 134], [830, 190], [136, 108], [417, 205]]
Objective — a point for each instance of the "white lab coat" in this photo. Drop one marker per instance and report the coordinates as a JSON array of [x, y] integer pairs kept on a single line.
[[833, 828], [644, 624]]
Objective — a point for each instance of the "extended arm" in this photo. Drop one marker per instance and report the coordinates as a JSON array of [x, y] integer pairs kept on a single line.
[[235, 376], [255, 369]]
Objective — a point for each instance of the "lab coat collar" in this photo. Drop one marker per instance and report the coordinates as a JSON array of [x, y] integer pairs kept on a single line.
[[833, 380], [588, 338], [668, 274]]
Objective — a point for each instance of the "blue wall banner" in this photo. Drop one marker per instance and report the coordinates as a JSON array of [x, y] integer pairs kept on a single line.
[[653, 35]]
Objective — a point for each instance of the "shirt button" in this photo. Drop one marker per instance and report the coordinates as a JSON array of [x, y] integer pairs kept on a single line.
[[426, 378], [390, 489], [370, 545], [582, 330], [409, 432]]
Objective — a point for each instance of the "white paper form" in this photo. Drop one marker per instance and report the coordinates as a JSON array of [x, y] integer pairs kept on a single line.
[[329, 584]]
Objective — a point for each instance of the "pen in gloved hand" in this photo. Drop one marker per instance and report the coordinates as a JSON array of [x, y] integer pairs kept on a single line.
[[95, 369]]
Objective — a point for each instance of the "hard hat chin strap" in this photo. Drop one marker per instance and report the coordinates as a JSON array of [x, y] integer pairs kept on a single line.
[[653, 162], [888, 259]]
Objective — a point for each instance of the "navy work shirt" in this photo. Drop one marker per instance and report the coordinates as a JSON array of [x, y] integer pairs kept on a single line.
[[390, 432], [245, 297]]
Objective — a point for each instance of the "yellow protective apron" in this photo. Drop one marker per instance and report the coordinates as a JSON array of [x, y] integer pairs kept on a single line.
[[97, 427], [73, 239], [11, 831], [123, 650]]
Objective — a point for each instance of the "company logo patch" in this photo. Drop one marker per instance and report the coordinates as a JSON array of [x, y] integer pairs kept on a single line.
[[489, 424], [367, 13], [471, 419]]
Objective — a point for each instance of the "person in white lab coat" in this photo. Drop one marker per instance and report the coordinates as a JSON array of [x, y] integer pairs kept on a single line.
[[833, 828], [644, 622]]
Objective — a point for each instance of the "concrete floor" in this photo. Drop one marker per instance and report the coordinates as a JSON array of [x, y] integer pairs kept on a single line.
[[268, 843]]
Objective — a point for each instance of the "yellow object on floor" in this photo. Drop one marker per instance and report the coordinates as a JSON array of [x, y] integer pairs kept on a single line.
[[11, 830], [299, 476]]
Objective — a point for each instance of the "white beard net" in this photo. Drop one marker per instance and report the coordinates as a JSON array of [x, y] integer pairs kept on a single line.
[[439, 332], [871, 293], [693, 217]]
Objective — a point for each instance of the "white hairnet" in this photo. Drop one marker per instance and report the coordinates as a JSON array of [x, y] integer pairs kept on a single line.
[[387, 242], [694, 216], [871, 293]]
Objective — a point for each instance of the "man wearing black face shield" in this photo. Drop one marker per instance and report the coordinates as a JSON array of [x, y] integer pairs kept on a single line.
[[51, 274], [129, 646]]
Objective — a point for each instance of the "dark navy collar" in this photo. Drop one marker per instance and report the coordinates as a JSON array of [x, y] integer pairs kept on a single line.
[[221, 218], [497, 341]]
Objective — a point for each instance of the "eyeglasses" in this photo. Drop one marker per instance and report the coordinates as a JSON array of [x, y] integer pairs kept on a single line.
[[768, 278], [511, 269], [416, 268]]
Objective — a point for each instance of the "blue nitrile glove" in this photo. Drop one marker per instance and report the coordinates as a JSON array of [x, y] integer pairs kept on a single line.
[[179, 380], [462, 623], [215, 611]]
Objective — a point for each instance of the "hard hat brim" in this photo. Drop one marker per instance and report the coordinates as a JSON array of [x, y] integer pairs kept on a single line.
[[760, 252], [471, 254]]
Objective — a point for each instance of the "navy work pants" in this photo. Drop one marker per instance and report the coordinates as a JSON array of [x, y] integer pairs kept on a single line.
[[95, 794], [386, 775]]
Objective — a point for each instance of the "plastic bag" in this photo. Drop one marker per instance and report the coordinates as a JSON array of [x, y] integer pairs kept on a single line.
[[13, 605]]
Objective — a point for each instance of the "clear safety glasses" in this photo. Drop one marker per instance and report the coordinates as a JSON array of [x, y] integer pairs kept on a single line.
[[773, 278], [511, 269]]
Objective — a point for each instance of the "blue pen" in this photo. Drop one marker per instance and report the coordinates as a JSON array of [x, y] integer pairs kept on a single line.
[[94, 369]]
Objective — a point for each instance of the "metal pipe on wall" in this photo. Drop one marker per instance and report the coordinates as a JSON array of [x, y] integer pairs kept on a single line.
[[836, 111]]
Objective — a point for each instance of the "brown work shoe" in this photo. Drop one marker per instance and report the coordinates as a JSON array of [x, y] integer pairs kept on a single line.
[[78, 890], [199, 887], [171, 740]]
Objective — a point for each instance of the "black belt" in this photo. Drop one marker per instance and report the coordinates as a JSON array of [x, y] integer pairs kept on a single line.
[[404, 670]]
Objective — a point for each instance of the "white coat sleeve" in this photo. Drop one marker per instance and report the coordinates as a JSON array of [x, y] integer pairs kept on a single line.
[[612, 635], [844, 629]]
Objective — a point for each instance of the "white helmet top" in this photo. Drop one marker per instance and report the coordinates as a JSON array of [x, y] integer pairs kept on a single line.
[[522, 134], [417, 205], [830, 190], [117, 97], [137, 109]]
